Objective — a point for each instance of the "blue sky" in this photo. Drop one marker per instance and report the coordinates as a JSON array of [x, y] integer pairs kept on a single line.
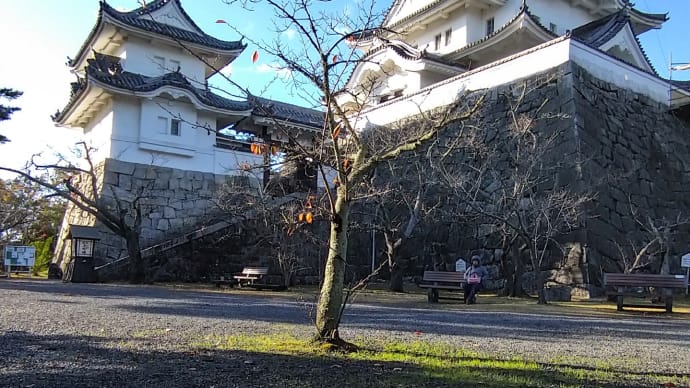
[[38, 35]]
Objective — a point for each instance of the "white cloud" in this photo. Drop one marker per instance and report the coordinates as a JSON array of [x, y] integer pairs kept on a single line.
[[264, 68], [275, 69], [290, 33]]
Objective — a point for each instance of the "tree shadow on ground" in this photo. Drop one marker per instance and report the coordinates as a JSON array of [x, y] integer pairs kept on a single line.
[[30, 360]]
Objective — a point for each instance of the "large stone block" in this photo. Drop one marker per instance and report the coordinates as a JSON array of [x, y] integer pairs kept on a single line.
[[120, 167], [163, 225], [110, 178], [168, 212]]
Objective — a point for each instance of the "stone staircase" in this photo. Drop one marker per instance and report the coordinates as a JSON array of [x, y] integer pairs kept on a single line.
[[171, 243]]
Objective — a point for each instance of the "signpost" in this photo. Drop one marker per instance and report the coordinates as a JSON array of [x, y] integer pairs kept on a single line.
[[19, 256], [685, 263], [460, 266]]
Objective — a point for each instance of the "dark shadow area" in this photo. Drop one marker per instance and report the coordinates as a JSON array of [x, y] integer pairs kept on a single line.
[[28, 360], [102, 290]]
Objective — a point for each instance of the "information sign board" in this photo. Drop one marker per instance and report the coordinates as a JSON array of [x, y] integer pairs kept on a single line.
[[460, 265], [19, 256]]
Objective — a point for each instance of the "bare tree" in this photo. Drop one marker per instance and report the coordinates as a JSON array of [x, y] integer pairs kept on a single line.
[[403, 194], [513, 183], [320, 67], [121, 212], [651, 251], [280, 222]]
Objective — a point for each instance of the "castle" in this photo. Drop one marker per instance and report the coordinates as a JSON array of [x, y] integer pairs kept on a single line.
[[623, 125], [145, 102]]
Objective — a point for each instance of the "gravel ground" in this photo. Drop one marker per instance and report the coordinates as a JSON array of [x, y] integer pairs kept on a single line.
[[85, 335]]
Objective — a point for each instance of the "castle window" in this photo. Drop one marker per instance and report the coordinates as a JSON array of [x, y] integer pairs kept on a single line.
[[175, 127], [490, 26], [449, 34], [437, 42]]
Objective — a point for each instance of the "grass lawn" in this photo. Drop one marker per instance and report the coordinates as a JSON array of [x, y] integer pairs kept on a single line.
[[419, 363]]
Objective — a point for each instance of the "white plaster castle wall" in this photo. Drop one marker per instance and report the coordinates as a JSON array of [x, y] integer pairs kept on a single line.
[[476, 25], [135, 139], [516, 67], [97, 133], [445, 92], [228, 162], [425, 39], [156, 116], [139, 57], [552, 11], [619, 73]]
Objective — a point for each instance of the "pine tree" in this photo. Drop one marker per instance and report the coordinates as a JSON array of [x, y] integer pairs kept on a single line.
[[6, 111]]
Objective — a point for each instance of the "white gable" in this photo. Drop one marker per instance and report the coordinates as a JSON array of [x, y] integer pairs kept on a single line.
[[624, 46], [171, 15], [404, 8]]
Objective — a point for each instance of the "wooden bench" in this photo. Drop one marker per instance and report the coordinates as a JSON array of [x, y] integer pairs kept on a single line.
[[434, 281], [252, 277], [224, 279], [621, 281]]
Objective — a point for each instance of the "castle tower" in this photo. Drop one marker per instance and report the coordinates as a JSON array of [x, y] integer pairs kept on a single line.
[[142, 101]]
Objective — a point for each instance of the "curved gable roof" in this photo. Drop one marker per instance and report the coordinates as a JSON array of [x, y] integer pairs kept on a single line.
[[599, 32], [133, 19]]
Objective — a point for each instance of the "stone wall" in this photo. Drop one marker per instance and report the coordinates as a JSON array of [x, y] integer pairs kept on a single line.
[[629, 152], [637, 157], [173, 202]]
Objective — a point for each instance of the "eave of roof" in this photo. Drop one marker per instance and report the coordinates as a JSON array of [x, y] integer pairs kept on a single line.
[[132, 20], [655, 17], [408, 53], [289, 113], [106, 72]]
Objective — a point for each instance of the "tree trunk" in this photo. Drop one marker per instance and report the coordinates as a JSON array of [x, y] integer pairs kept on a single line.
[[331, 297], [541, 284], [395, 283], [397, 272], [137, 270]]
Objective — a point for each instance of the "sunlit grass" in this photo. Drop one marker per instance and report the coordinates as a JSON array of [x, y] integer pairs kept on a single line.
[[419, 361]]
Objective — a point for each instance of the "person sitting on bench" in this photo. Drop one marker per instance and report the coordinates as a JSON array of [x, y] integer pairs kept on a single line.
[[474, 276]]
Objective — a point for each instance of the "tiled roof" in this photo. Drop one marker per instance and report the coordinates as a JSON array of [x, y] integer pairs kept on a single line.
[[278, 110], [685, 85], [420, 11], [524, 12], [134, 20], [407, 52], [659, 17], [106, 69], [598, 32]]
